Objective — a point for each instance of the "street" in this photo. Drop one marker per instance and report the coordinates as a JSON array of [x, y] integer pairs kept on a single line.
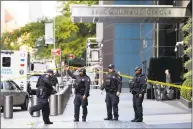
[[157, 114]]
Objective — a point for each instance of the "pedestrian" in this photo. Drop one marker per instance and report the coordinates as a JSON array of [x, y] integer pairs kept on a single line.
[[112, 84], [82, 88], [168, 76], [138, 89], [44, 90]]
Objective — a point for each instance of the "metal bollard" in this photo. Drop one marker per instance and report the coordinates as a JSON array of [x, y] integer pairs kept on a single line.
[[57, 88], [53, 105], [34, 101], [8, 107], [60, 104]]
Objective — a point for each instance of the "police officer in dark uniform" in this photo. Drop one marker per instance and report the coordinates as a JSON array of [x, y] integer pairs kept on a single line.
[[44, 90], [138, 89], [82, 88], [112, 84]]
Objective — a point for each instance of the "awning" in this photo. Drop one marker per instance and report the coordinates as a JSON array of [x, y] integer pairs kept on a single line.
[[129, 13]]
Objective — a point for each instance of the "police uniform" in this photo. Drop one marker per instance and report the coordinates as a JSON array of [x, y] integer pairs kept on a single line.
[[138, 86], [112, 84], [44, 90], [82, 87]]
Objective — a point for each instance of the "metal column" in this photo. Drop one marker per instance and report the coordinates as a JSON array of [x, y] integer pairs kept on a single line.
[[34, 101], [8, 107]]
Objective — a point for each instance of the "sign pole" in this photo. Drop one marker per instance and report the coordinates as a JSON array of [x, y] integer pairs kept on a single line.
[[54, 42], [61, 65]]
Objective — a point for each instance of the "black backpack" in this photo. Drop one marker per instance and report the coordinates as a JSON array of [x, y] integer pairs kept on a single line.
[[38, 83]]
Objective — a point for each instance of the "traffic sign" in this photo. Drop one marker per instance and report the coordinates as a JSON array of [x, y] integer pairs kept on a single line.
[[71, 56], [56, 52]]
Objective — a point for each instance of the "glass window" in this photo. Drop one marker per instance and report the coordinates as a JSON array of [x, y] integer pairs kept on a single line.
[[6, 62], [1, 86], [6, 85], [12, 86], [127, 31], [34, 78]]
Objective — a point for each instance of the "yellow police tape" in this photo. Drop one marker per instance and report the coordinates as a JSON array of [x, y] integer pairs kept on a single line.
[[125, 76]]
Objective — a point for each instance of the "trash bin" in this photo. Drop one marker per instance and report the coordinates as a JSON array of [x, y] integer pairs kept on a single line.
[[34, 101], [8, 107], [53, 105]]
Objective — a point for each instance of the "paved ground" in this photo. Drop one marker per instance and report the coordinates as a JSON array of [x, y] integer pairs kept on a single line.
[[156, 115]]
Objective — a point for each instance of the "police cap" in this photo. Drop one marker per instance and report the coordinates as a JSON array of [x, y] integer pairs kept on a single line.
[[82, 70], [138, 68], [50, 71], [111, 66]]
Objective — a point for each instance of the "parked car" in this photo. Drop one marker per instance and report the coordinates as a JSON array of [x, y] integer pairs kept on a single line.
[[32, 81], [20, 97]]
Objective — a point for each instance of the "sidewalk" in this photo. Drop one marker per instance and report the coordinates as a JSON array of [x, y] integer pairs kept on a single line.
[[156, 115]]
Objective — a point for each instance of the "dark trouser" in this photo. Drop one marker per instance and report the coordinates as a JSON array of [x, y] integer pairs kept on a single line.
[[112, 101], [43, 105], [78, 101], [137, 106]]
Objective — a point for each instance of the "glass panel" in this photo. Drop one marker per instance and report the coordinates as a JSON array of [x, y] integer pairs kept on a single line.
[[6, 62]]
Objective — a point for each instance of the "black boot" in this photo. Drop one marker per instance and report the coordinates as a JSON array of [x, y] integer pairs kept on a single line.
[[133, 120], [108, 118], [116, 117], [76, 120], [48, 122], [84, 120], [139, 120]]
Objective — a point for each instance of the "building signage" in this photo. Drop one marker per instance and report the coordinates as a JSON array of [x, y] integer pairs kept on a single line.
[[132, 11], [134, 14]]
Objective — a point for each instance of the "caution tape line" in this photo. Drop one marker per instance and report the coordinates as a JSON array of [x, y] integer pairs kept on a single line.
[[157, 82], [125, 76]]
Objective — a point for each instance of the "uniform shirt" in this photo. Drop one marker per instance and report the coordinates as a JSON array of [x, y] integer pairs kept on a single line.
[[140, 84], [114, 80], [81, 79]]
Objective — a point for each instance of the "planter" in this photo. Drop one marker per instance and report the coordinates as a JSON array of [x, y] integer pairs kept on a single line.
[[185, 102]]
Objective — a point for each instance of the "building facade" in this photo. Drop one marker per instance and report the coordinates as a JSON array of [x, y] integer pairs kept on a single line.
[[128, 45]]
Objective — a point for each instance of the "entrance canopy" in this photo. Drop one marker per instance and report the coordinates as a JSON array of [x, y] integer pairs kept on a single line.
[[129, 13]]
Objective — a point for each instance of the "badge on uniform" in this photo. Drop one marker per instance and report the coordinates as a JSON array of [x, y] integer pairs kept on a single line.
[[113, 76], [82, 79]]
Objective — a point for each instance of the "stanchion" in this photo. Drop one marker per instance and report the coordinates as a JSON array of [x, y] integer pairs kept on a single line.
[[60, 104], [8, 107], [53, 105], [34, 101], [57, 88]]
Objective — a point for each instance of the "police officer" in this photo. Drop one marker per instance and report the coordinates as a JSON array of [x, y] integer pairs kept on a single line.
[[138, 89], [82, 88], [112, 84], [44, 90]]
